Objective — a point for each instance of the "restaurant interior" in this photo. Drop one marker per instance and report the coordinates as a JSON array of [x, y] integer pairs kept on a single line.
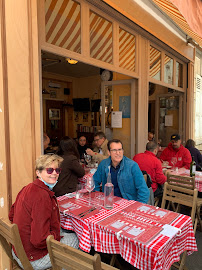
[[72, 99]]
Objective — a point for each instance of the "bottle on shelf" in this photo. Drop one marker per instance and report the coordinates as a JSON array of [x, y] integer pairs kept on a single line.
[[192, 167], [108, 193]]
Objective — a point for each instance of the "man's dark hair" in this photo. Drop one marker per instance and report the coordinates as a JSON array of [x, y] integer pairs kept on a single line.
[[100, 134], [113, 141], [151, 146]]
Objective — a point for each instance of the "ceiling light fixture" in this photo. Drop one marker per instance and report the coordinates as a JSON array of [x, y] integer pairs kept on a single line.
[[71, 61]]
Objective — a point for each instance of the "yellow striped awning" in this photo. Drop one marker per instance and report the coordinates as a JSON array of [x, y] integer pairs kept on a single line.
[[187, 14]]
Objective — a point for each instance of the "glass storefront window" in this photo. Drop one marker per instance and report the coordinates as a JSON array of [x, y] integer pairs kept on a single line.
[[63, 24], [168, 70], [126, 50], [100, 38], [155, 64], [179, 74]]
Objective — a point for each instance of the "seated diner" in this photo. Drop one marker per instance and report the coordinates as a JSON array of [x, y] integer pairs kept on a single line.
[[148, 162], [36, 213], [71, 168], [176, 154], [126, 176]]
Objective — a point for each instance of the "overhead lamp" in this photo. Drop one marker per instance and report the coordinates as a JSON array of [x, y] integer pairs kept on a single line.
[[71, 61]]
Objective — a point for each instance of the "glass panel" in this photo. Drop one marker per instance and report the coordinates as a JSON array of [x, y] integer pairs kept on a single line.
[[168, 70], [126, 50], [179, 74], [155, 64], [168, 118], [63, 24], [118, 98], [100, 38]]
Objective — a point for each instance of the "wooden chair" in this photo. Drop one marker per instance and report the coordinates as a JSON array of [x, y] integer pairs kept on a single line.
[[180, 190], [184, 187], [148, 181], [63, 256], [9, 235]]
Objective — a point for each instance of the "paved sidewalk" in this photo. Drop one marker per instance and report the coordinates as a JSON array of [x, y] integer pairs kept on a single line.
[[194, 261]]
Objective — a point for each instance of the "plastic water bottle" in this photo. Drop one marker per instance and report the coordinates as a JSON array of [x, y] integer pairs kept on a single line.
[[108, 193]]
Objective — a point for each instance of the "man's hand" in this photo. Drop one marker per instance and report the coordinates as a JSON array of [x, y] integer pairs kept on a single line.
[[89, 152]]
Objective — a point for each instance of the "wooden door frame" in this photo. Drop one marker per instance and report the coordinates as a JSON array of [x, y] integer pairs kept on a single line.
[[132, 112]]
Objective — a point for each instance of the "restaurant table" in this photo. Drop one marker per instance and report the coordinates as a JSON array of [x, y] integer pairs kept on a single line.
[[185, 172], [146, 236]]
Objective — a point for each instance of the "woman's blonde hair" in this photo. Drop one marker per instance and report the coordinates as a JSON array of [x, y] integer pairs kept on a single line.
[[44, 161]]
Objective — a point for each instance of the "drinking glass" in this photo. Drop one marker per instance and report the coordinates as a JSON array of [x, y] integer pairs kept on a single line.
[[80, 190], [87, 158], [90, 185], [173, 161]]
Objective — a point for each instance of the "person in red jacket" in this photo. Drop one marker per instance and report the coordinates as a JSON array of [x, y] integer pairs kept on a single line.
[[176, 150], [36, 213], [148, 162]]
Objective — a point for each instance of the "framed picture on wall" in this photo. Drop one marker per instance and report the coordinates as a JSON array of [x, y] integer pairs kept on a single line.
[[53, 94], [85, 117], [54, 114]]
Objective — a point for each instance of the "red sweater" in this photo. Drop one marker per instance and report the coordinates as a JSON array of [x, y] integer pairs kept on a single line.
[[36, 213], [148, 162], [182, 154]]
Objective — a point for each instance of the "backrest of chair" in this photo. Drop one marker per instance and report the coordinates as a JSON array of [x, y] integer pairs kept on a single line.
[[63, 256], [9, 235], [147, 178], [180, 190], [181, 181]]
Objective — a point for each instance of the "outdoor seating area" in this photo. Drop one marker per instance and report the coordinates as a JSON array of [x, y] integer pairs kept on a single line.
[[101, 138]]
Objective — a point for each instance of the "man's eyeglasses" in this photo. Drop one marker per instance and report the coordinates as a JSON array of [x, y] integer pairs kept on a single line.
[[51, 170], [116, 150]]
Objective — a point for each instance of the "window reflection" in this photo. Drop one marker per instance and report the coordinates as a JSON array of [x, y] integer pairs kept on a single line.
[[168, 70], [155, 63], [179, 76]]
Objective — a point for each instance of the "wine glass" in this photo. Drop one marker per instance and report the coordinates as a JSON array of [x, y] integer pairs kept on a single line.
[[87, 158], [90, 185], [173, 161]]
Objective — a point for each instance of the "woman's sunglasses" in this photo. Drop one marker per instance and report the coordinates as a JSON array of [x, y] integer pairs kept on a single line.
[[51, 170]]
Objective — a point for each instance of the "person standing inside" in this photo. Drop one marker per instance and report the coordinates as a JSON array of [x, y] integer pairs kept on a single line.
[[126, 176], [100, 152], [177, 150], [150, 136], [148, 162], [36, 213], [71, 168], [46, 141]]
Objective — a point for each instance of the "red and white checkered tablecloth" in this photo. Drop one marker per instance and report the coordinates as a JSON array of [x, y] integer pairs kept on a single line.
[[82, 227], [158, 254], [198, 177], [82, 180]]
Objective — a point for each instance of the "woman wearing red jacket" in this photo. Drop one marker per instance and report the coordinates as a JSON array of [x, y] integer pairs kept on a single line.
[[36, 213]]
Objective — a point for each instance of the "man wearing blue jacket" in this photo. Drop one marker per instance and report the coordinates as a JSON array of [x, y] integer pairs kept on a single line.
[[126, 176]]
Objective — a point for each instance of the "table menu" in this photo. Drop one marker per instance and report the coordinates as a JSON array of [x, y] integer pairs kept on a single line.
[[77, 207], [150, 212], [127, 226]]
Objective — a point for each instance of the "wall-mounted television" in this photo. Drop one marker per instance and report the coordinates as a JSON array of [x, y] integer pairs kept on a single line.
[[95, 105], [81, 104]]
